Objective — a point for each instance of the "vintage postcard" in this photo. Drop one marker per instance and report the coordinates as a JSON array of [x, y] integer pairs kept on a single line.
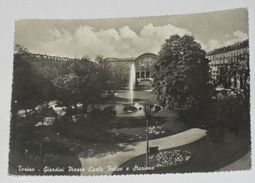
[[138, 95]]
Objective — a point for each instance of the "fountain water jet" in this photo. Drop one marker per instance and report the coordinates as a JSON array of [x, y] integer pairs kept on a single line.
[[132, 84], [131, 107]]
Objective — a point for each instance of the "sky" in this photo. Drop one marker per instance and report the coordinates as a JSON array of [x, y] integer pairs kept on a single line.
[[129, 37]]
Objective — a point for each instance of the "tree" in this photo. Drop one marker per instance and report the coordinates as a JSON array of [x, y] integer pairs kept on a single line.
[[89, 88], [120, 76], [29, 88], [181, 75], [237, 70], [67, 88], [105, 74], [85, 83], [20, 49]]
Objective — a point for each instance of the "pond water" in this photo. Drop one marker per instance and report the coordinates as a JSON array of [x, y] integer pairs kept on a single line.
[[121, 112]]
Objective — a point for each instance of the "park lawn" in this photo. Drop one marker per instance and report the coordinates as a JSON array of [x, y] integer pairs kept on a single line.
[[54, 155], [205, 156], [116, 130]]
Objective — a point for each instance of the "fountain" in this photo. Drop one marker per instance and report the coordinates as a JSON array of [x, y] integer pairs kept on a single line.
[[131, 107], [132, 84]]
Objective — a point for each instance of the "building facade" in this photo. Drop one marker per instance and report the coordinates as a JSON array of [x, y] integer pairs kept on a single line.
[[143, 66], [230, 65], [44, 57]]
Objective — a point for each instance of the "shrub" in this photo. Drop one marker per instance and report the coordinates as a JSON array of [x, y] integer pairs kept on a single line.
[[227, 115]]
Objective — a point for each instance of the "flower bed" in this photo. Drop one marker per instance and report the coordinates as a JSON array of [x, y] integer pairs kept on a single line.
[[169, 158]]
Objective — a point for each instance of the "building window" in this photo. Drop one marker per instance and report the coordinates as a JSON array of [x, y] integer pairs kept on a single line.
[[142, 74], [138, 75], [142, 67], [147, 74]]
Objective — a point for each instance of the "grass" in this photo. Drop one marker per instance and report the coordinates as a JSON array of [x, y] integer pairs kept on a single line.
[[228, 138], [220, 147], [53, 156], [99, 130], [26, 147], [206, 157]]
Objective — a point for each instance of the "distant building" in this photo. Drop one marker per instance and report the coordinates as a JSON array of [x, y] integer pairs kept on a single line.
[[44, 57], [230, 65], [143, 66]]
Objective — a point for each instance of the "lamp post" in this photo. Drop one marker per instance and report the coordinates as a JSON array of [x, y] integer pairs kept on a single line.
[[41, 149], [148, 116]]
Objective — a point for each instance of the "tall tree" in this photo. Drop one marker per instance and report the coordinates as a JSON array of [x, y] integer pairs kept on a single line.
[[105, 74], [29, 87], [182, 74], [83, 84], [87, 73], [67, 88]]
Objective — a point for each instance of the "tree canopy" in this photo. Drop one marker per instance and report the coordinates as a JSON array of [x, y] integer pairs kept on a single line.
[[55, 79], [181, 75], [76, 81], [29, 87]]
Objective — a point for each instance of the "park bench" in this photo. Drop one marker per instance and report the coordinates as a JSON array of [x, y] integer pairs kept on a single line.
[[153, 150]]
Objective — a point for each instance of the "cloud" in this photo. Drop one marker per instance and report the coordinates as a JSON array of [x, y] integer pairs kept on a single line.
[[162, 32], [213, 44], [126, 32], [122, 42], [233, 38], [226, 35], [238, 36]]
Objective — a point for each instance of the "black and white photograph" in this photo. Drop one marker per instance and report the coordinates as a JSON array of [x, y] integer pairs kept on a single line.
[[161, 94]]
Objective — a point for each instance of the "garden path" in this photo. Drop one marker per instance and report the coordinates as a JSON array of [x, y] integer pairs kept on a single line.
[[98, 164]]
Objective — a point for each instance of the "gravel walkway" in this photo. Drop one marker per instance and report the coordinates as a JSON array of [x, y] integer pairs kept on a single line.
[[105, 162]]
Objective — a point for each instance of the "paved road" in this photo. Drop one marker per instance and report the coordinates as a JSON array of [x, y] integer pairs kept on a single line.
[[98, 164]]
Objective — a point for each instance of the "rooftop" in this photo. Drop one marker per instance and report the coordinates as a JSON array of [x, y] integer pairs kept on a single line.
[[114, 59], [235, 46]]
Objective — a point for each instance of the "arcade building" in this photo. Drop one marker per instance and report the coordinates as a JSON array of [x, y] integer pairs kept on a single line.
[[230, 65], [143, 66]]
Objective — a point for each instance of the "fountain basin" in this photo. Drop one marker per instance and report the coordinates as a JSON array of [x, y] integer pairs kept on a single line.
[[130, 109], [127, 110]]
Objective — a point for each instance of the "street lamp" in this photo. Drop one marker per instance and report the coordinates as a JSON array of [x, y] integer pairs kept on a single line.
[[148, 116]]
